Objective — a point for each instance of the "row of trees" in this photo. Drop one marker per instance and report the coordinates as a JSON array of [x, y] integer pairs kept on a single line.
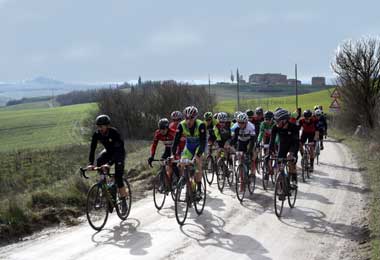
[[136, 113], [357, 64]]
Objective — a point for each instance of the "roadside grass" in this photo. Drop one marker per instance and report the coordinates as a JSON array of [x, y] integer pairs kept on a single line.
[[43, 187], [42, 127], [305, 101], [367, 153]]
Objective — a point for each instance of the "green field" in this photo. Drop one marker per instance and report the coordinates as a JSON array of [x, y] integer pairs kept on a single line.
[[42, 127], [289, 102]]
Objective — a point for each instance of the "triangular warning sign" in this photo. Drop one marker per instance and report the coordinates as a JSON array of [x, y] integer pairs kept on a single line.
[[335, 104], [335, 94]]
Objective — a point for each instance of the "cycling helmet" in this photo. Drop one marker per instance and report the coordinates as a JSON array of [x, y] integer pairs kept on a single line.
[[242, 118], [176, 115], [190, 111], [318, 112], [215, 116], [268, 115], [163, 123], [103, 120], [249, 112], [281, 114], [259, 111], [307, 113], [207, 115], [236, 114], [316, 107], [277, 109], [222, 117]]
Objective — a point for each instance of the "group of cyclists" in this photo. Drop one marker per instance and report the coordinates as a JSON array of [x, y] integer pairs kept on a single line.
[[185, 136]]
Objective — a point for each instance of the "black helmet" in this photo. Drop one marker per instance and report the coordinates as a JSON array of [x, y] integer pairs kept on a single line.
[[279, 108], [249, 112], [268, 115], [103, 120], [307, 113], [281, 114], [163, 123], [259, 111]]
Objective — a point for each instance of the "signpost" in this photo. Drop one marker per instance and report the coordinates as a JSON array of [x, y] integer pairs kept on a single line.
[[335, 106]]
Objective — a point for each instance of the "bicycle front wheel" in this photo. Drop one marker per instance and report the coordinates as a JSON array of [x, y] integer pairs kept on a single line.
[[128, 201], [97, 207], [209, 169], [220, 175], [240, 183], [279, 195], [251, 183], [181, 204], [292, 199], [199, 204], [159, 195]]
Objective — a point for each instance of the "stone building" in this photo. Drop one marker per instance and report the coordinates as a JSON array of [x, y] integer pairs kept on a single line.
[[318, 81]]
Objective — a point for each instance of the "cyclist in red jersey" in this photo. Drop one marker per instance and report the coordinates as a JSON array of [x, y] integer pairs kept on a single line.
[[177, 117], [165, 135], [310, 134]]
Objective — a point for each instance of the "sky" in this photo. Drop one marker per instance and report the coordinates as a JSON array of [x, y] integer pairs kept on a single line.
[[119, 40]]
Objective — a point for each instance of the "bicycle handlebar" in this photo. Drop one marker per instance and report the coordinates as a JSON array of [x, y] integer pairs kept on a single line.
[[83, 172]]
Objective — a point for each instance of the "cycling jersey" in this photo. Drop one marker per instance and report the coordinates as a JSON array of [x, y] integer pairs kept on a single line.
[[195, 139], [322, 123], [288, 138], [173, 126], [167, 141], [257, 122], [309, 127], [222, 134], [265, 132], [244, 138]]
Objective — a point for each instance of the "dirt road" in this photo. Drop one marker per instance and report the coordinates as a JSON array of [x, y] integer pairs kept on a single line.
[[323, 225]]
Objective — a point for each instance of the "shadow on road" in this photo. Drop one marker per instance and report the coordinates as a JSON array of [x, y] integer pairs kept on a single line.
[[125, 236], [208, 231], [360, 169], [330, 183]]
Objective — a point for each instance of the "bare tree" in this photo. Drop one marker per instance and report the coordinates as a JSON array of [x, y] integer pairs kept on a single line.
[[357, 64]]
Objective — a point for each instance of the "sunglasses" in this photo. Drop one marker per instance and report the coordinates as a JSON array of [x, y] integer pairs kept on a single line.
[[190, 118]]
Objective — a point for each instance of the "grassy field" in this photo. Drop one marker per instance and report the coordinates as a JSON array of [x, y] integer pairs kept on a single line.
[[288, 102], [42, 127]]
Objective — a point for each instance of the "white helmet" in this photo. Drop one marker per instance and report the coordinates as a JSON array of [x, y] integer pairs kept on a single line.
[[242, 118], [190, 111], [222, 117], [318, 112]]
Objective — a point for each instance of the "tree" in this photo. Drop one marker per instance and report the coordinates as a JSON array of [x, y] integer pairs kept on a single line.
[[357, 64]]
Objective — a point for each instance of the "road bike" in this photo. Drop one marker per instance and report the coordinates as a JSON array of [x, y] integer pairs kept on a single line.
[[243, 177], [225, 167]]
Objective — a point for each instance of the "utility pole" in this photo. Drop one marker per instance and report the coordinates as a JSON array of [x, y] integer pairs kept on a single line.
[[296, 87], [209, 93], [238, 89]]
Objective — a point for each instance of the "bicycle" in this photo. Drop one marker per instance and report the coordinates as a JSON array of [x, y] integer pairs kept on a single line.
[[209, 167], [267, 174], [224, 170], [103, 197], [242, 176], [305, 162], [186, 192], [317, 150], [161, 185], [283, 189]]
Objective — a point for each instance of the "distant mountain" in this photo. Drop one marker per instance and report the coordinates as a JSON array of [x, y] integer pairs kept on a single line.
[[44, 81]]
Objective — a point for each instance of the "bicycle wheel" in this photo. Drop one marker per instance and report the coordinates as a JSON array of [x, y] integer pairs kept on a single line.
[[97, 207], [181, 204], [209, 169], [239, 183], [230, 174], [199, 205], [318, 151], [265, 177], [251, 183], [292, 199], [308, 166], [220, 175], [159, 195], [174, 186], [279, 195], [304, 166], [128, 200]]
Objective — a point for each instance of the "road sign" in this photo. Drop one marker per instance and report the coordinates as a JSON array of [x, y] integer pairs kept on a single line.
[[335, 94], [334, 107]]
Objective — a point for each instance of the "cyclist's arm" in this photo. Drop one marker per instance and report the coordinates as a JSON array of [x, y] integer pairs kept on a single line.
[[235, 136], [94, 143], [295, 142], [273, 138], [177, 139], [154, 145], [202, 139], [261, 133]]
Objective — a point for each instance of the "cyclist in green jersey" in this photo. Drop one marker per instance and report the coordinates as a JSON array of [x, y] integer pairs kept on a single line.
[[194, 130]]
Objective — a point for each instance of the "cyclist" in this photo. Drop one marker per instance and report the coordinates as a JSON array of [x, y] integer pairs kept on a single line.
[[288, 135], [210, 122], [177, 117], [114, 153], [245, 137], [257, 120], [166, 135], [309, 134], [321, 125], [194, 130], [264, 136], [222, 132]]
